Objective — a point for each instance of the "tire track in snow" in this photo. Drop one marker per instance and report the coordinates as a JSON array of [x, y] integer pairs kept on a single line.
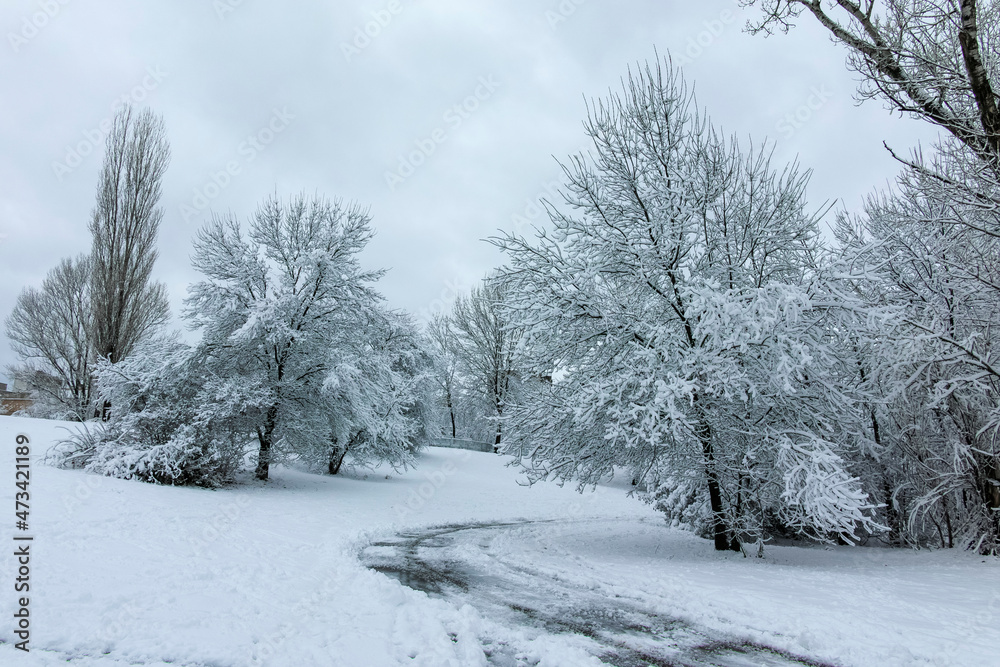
[[460, 562]]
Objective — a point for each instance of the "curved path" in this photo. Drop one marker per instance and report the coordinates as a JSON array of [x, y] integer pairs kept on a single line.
[[505, 571]]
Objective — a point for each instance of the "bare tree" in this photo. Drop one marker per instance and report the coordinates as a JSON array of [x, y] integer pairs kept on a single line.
[[486, 345], [441, 336], [935, 59], [50, 329], [127, 306]]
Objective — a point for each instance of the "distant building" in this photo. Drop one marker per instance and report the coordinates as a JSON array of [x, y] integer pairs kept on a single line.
[[13, 401]]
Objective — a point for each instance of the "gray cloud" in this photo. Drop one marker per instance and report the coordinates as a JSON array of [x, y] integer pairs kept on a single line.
[[220, 71]]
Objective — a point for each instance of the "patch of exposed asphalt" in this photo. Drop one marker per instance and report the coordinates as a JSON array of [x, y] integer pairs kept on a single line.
[[629, 634]]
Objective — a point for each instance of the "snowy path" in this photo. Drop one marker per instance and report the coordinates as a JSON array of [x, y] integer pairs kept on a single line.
[[474, 564]]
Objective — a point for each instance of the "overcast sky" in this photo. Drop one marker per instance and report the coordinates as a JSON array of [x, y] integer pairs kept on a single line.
[[444, 117]]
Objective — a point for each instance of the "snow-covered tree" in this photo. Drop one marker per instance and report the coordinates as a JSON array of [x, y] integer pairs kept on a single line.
[[296, 353], [671, 304], [926, 253], [274, 303], [933, 370], [375, 395]]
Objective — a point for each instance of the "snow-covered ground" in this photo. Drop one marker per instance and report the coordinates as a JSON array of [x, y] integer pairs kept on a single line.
[[129, 573]]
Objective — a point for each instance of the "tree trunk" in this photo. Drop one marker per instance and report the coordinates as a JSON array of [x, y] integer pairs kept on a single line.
[[993, 482], [951, 532], [336, 460], [451, 413], [979, 77], [720, 533], [263, 456], [265, 437], [896, 528], [498, 405], [337, 457], [993, 505]]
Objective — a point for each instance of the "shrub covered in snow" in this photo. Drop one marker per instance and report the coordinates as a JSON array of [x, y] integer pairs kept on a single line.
[[684, 503], [169, 424]]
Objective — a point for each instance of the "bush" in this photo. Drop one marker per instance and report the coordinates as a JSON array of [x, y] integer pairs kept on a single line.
[[164, 426]]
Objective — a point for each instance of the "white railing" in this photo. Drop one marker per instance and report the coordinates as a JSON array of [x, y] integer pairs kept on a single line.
[[459, 443]]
